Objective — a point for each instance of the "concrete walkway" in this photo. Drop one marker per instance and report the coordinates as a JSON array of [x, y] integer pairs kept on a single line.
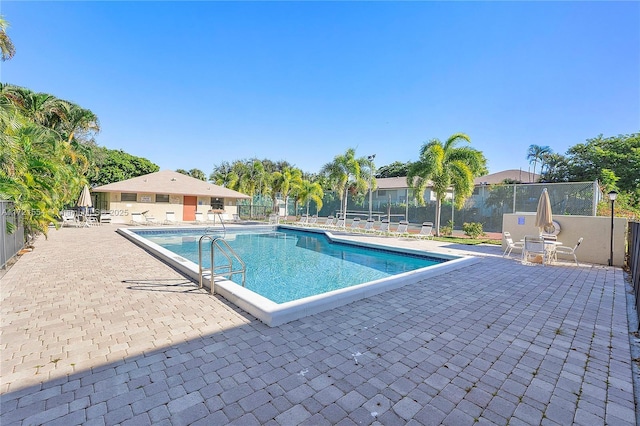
[[97, 331]]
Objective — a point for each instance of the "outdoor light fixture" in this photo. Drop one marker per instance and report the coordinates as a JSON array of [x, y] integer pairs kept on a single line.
[[370, 158], [612, 196]]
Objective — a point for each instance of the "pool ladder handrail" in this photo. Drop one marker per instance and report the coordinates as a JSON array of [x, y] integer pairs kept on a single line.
[[224, 248], [224, 228]]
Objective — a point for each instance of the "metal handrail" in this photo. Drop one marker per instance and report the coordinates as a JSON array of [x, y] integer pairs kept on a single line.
[[228, 252]]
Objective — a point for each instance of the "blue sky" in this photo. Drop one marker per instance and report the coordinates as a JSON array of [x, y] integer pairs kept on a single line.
[[192, 84]]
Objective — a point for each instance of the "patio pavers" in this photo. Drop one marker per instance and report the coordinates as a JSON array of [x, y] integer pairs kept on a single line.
[[97, 331]]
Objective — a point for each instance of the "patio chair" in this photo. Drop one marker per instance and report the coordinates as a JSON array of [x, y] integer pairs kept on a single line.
[[384, 227], [138, 219], [69, 218], [571, 251], [369, 226], [340, 223], [211, 217], [402, 229], [329, 222], [313, 220], [510, 244], [199, 218], [355, 224], [426, 231], [302, 221], [105, 216], [534, 250], [170, 218]]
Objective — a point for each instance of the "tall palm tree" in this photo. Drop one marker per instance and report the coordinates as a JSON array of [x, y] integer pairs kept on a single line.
[[345, 171], [536, 153], [310, 191], [6, 45], [444, 165], [284, 182]]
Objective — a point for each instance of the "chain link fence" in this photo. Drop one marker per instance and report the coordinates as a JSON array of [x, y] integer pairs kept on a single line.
[[12, 238]]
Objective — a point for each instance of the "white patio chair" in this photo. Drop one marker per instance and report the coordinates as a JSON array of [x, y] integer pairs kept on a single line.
[[384, 227], [199, 218], [170, 218], [402, 229], [69, 218], [355, 224], [534, 248], [313, 220], [571, 251], [510, 244], [369, 226], [105, 216], [426, 231]]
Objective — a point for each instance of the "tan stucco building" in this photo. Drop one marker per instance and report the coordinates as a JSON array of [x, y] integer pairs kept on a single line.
[[162, 192]]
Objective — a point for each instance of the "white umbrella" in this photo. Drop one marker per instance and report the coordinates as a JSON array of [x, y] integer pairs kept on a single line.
[[85, 198], [544, 217]]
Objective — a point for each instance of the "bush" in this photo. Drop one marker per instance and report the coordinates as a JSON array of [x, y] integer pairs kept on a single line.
[[447, 230], [473, 229]]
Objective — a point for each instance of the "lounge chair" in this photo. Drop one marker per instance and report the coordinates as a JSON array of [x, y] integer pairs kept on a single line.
[[211, 218], [105, 216], [69, 218], [329, 222], [426, 231], [199, 218], [384, 227], [369, 226], [571, 251], [534, 250], [510, 244], [402, 229], [355, 224], [138, 219], [313, 220], [274, 219], [170, 219], [302, 221], [340, 223]]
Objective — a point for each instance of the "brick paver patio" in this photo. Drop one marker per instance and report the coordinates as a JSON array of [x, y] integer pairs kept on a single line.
[[97, 331]]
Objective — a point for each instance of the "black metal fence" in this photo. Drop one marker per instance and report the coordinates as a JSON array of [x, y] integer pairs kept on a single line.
[[633, 260], [12, 238]]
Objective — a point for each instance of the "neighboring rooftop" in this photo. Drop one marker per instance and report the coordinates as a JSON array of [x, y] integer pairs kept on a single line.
[[172, 183]]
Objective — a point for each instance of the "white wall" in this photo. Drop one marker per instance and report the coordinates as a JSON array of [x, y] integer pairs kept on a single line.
[[596, 231]]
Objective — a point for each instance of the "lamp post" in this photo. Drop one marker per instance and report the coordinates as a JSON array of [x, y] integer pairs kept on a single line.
[[370, 158], [612, 196]]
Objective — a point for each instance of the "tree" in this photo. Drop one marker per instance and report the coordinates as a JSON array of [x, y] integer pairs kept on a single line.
[[310, 191], [395, 169], [224, 175], [443, 166], [6, 45], [284, 182], [345, 171], [194, 173], [536, 153], [618, 154], [116, 165]]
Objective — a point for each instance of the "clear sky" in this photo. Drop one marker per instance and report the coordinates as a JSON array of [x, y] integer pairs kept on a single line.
[[192, 84]]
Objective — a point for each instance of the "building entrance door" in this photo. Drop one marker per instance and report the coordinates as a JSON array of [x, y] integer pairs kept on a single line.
[[189, 208]]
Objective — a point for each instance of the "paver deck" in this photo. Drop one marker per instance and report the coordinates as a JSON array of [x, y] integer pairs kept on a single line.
[[97, 331]]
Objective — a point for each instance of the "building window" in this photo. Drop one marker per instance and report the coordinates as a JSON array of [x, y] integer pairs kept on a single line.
[[128, 196], [162, 198], [217, 203]]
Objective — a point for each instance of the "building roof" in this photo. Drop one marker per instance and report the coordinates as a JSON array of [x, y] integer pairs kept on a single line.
[[172, 183], [514, 175]]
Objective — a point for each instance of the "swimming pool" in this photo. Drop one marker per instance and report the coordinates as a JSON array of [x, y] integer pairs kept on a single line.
[[330, 271]]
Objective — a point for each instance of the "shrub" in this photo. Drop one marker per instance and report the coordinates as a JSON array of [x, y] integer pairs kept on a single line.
[[447, 230], [473, 229]]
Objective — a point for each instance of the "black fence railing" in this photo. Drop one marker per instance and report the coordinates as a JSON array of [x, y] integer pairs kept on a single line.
[[633, 260], [12, 238]]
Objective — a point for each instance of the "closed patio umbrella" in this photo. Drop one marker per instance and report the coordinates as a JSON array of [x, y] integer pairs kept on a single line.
[[84, 201], [544, 216]]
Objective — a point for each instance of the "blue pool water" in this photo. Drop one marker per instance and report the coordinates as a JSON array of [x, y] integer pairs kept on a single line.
[[287, 265]]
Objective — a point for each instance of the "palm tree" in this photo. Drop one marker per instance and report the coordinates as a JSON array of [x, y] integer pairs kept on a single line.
[[536, 153], [345, 172], [444, 166], [284, 182], [224, 175], [6, 45], [310, 191]]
